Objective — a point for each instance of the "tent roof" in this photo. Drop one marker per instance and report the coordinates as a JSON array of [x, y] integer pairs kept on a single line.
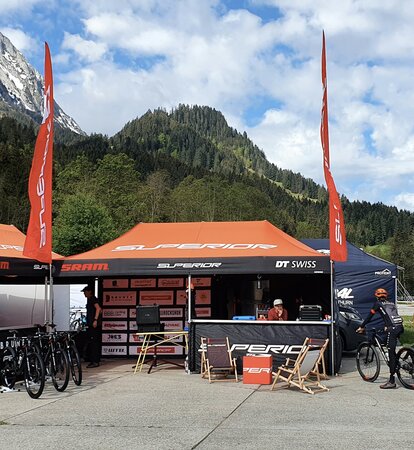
[[356, 256], [155, 243], [11, 242], [12, 260], [201, 239]]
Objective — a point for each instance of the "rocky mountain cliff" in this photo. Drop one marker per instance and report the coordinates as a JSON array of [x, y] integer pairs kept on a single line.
[[21, 90]]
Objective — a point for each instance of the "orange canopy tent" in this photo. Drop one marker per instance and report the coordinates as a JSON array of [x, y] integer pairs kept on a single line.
[[197, 248], [12, 261]]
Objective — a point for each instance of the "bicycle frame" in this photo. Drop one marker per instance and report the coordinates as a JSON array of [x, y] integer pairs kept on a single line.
[[380, 346]]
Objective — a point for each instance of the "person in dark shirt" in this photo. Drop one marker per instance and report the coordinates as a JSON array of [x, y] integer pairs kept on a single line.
[[93, 322], [278, 312], [393, 328]]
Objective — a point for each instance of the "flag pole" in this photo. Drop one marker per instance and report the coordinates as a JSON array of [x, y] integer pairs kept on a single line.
[[51, 296], [38, 242], [332, 319]]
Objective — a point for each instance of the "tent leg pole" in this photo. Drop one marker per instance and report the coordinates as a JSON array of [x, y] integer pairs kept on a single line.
[[51, 296], [189, 298], [332, 320], [46, 305]]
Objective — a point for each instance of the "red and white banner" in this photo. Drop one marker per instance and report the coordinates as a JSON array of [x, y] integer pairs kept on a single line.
[[115, 313], [119, 298], [114, 325], [337, 238], [38, 243]]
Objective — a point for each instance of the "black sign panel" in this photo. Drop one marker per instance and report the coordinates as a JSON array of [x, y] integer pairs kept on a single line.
[[149, 266], [279, 340]]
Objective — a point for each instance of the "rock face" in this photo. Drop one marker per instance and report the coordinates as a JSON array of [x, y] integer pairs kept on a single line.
[[21, 88]]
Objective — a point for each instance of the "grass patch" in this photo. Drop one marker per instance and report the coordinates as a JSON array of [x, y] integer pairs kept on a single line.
[[3, 423], [407, 338]]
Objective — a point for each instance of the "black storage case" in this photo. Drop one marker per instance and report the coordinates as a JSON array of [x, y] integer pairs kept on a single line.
[[148, 319], [310, 312]]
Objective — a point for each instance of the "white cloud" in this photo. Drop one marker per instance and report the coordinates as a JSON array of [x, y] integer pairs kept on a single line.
[[125, 57], [21, 40], [405, 200], [86, 49], [13, 6]]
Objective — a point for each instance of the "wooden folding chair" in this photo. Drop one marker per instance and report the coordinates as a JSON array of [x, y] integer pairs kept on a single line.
[[320, 369], [217, 362], [203, 346], [299, 373]]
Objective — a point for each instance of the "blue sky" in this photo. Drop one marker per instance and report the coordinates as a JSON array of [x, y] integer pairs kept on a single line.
[[257, 61]]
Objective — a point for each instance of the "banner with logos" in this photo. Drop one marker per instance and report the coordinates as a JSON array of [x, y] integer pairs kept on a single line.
[[121, 296], [280, 341]]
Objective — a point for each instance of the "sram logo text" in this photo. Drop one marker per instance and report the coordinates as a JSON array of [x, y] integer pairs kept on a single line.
[[84, 267]]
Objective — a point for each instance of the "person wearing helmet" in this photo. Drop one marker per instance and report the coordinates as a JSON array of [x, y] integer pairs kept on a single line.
[[277, 312], [393, 327]]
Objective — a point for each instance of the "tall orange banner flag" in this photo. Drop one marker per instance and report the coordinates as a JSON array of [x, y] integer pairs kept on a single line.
[[38, 243], [337, 238]]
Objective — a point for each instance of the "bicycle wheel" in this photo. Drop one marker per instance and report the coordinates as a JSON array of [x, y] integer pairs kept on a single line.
[[405, 372], [75, 325], [34, 374], [368, 362], [8, 373], [59, 370], [75, 365]]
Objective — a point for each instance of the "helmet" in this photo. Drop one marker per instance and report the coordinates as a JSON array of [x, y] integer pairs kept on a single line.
[[381, 293], [277, 301]]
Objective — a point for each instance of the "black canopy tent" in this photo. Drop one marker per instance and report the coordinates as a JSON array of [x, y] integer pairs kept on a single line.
[[356, 280]]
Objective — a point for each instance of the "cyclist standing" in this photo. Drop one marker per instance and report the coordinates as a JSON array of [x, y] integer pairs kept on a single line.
[[393, 327]]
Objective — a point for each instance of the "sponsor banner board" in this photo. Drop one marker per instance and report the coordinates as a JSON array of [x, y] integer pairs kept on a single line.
[[161, 350], [119, 283], [176, 325], [114, 313], [143, 282], [127, 298], [203, 312], [203, 296], [133, 325], [114, 350], [114, 338], [133, 313], [171, 313], [156, 297], [201, 282], [170, 282], [181, 298], [114, 325]]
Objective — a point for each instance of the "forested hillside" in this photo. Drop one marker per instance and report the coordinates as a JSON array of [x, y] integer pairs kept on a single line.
[[186, 165]]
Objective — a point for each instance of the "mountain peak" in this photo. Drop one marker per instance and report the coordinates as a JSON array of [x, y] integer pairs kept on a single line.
[[21, 88]]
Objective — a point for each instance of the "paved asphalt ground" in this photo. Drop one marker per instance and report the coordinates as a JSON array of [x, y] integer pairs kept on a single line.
[[168, 409]]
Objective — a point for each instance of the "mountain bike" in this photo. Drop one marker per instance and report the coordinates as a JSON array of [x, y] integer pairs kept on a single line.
[[54, 357], [19, 361], [69, 346], [77, 320], [368, 360]]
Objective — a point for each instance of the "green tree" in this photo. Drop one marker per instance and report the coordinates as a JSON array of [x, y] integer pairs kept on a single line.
[[156, 195], [117, 186], [82, 224]]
